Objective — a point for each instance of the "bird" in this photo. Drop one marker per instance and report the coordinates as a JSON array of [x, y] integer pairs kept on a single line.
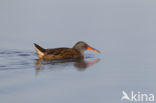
[[77, 51], [125, 96]]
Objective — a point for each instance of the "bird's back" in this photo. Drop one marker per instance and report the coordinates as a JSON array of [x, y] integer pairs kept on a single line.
[[61, 53]]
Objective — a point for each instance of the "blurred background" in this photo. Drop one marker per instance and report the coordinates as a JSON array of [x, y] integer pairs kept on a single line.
[[123, 30]]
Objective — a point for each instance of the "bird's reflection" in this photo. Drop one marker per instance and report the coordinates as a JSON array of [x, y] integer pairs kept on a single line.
[[80, 64]]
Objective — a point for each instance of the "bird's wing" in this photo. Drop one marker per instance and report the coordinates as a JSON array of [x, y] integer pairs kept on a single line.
[[124, 93]]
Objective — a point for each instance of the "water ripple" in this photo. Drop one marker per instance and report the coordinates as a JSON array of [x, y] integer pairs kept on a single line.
[[17, 59]]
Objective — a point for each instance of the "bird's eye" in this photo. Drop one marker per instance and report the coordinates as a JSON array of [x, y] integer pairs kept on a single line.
[[85, 46]]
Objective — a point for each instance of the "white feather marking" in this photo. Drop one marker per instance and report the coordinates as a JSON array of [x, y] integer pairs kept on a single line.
[[40, 54]]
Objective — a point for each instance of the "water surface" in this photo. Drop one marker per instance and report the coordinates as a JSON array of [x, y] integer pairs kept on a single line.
[[124, 32]]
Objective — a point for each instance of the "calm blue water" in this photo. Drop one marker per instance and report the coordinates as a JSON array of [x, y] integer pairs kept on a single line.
[[124, 32]]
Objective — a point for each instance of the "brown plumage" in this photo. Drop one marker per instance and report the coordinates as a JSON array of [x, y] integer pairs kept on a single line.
[[77, 51]]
